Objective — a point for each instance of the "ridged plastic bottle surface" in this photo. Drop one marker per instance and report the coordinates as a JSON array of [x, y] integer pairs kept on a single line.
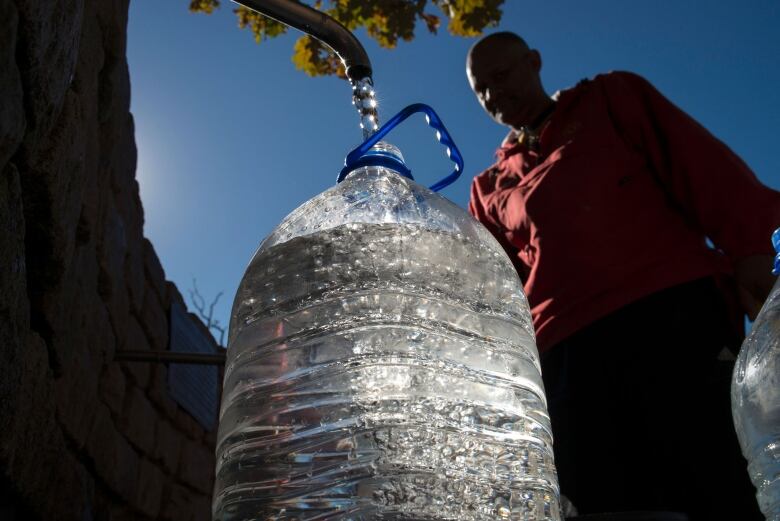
[[382, 365], [755, 401]]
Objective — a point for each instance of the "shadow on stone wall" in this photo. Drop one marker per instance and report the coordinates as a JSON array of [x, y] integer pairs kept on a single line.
[[82, 436]]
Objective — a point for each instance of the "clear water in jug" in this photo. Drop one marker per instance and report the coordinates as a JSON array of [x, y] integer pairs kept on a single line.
[[382, 365]]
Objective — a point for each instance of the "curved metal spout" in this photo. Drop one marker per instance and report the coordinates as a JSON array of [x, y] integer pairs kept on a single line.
[[320, 26], [330, 32]]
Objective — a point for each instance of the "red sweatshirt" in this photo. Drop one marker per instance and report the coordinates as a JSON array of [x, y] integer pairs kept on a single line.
[[618, 204]]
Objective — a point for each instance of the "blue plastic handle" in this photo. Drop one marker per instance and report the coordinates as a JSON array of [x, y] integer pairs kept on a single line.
[[776, 244], [353, 159]]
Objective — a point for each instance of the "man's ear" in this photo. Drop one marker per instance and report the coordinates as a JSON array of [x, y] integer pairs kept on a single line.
[[535, 59]]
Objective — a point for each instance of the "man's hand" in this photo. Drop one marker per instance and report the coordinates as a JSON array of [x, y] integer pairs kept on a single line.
[[754, 281]]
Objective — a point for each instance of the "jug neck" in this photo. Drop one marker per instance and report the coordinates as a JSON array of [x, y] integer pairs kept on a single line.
[[382, 155]]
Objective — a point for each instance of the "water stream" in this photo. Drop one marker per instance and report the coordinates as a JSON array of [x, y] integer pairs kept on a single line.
[[364, 100]]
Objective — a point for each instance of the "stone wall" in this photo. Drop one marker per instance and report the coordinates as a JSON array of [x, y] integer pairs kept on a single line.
[[82, 436]]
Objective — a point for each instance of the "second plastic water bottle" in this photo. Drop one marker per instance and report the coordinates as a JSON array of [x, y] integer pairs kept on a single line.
[[755, 400]]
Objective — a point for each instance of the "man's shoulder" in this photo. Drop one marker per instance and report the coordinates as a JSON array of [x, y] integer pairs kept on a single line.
[[609, 86], [621, 80], [609, 78]]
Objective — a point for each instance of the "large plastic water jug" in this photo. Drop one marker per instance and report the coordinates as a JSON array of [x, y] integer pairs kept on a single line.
[[382, 365], [755, 400]]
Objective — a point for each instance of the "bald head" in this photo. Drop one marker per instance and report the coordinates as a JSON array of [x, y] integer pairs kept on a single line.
[[504, 39], [504, 74]]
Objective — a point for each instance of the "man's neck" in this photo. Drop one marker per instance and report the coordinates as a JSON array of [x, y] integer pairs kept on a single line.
[[537, 123], [542, 116]]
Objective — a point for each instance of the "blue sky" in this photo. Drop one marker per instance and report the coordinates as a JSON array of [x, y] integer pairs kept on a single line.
[[231, 137]]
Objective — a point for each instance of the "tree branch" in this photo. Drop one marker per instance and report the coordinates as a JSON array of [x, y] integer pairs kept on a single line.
[[208, 318]]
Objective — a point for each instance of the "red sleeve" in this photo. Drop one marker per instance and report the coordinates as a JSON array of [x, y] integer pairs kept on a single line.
[[703, 177], [479, 189]]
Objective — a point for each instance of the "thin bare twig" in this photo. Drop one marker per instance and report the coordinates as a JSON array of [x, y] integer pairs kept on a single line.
[[200, 305]]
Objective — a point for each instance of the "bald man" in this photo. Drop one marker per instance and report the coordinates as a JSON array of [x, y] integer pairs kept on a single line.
[[605, 196]]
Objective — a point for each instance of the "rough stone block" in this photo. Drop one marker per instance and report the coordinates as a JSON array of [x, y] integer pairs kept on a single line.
[[127, 463], [14, 306], [155, 276], [101, 341], [53, 177], [183, 504], [85, 83], [112, 248], [12, 120], [189, 425], [172, 294], [118, 307], [112, 387], [134, 271], [123, 182], [64, 489], [79, 317], [201, 508], [76, 394], [210, 439], [138, 421], [121, 512], [84, 337], [101, 506], [158, 391], [13, 276], [27, 407], [114, 100], [114, 460], [47, 57], [196, 467], [79, 333], [154, 320], [150, 486], [167, 448], [33, 452], [70, 490], [136, 340]]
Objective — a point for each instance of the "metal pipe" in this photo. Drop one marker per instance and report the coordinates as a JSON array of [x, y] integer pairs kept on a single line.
[[171, 357], [322, 27], [330, 32]]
